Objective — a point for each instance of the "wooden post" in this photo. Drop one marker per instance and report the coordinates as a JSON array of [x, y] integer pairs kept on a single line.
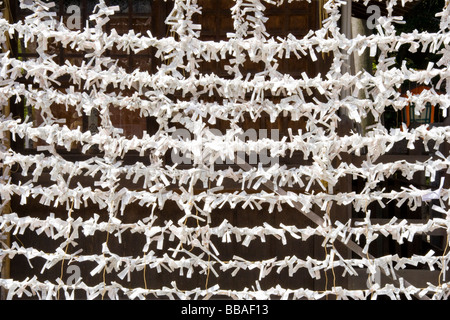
[[6, 237]]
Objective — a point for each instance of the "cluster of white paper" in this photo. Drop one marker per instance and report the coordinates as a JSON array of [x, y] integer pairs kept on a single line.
[[241, 95]]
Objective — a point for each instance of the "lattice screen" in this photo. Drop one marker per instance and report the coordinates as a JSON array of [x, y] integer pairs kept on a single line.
[[181, 224]]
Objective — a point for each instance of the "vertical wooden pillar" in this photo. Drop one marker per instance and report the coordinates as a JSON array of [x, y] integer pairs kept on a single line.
[[6, 237], [344, 213]]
